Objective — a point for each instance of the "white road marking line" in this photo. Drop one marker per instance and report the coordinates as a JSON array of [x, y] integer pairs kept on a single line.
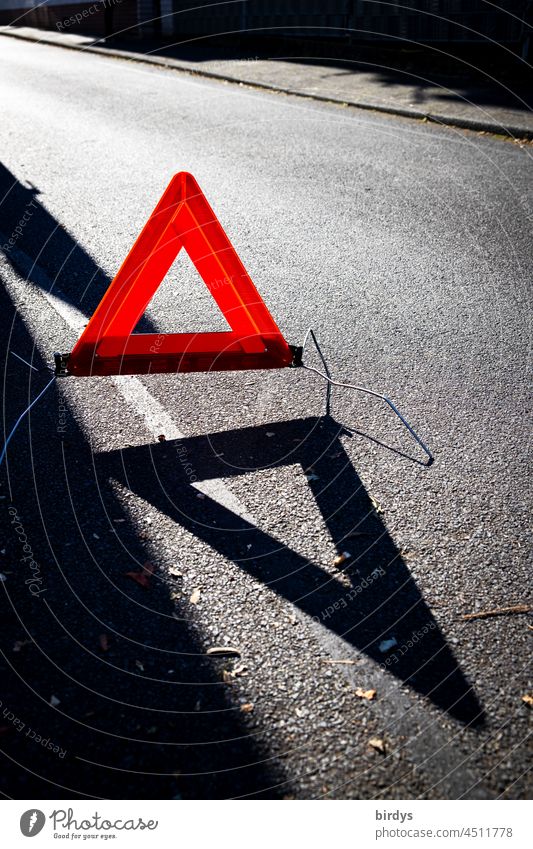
[[71, 315], [157, 420]]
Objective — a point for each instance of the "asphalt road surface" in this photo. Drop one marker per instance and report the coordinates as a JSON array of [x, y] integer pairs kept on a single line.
[[407, 247]]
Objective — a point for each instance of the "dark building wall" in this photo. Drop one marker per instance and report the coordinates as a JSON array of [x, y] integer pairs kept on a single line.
[[418, 20], [425, 21], [87, 17]]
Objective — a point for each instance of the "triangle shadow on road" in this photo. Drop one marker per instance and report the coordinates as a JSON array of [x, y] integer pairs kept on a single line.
[[382, 598]]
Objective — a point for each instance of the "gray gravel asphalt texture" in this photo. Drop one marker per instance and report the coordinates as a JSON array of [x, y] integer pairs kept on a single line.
[[408, 249]]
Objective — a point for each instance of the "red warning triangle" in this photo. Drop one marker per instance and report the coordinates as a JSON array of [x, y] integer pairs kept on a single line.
[[181, 219]]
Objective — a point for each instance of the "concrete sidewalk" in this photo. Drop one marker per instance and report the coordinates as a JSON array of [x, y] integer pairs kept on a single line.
[[460, 102]]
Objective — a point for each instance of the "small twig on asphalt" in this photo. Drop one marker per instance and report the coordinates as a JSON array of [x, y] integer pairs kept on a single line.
[[499, 611], [347, 662]]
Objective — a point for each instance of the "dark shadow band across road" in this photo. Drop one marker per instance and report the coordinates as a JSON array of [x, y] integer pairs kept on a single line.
[[390, 605]]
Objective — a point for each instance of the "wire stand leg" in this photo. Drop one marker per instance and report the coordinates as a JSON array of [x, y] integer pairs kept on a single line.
[[330, 383]]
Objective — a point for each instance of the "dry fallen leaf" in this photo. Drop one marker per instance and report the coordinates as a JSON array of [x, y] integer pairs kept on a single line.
[[104, 642], [229, 675], [369, 695], [341, 558], [162, 437], [195, 597], [528, 700], [223, 651], [247, 708], [378, 744], [140, 578]]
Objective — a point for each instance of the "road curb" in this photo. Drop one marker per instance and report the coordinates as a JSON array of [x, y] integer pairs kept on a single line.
[[509, 131]]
